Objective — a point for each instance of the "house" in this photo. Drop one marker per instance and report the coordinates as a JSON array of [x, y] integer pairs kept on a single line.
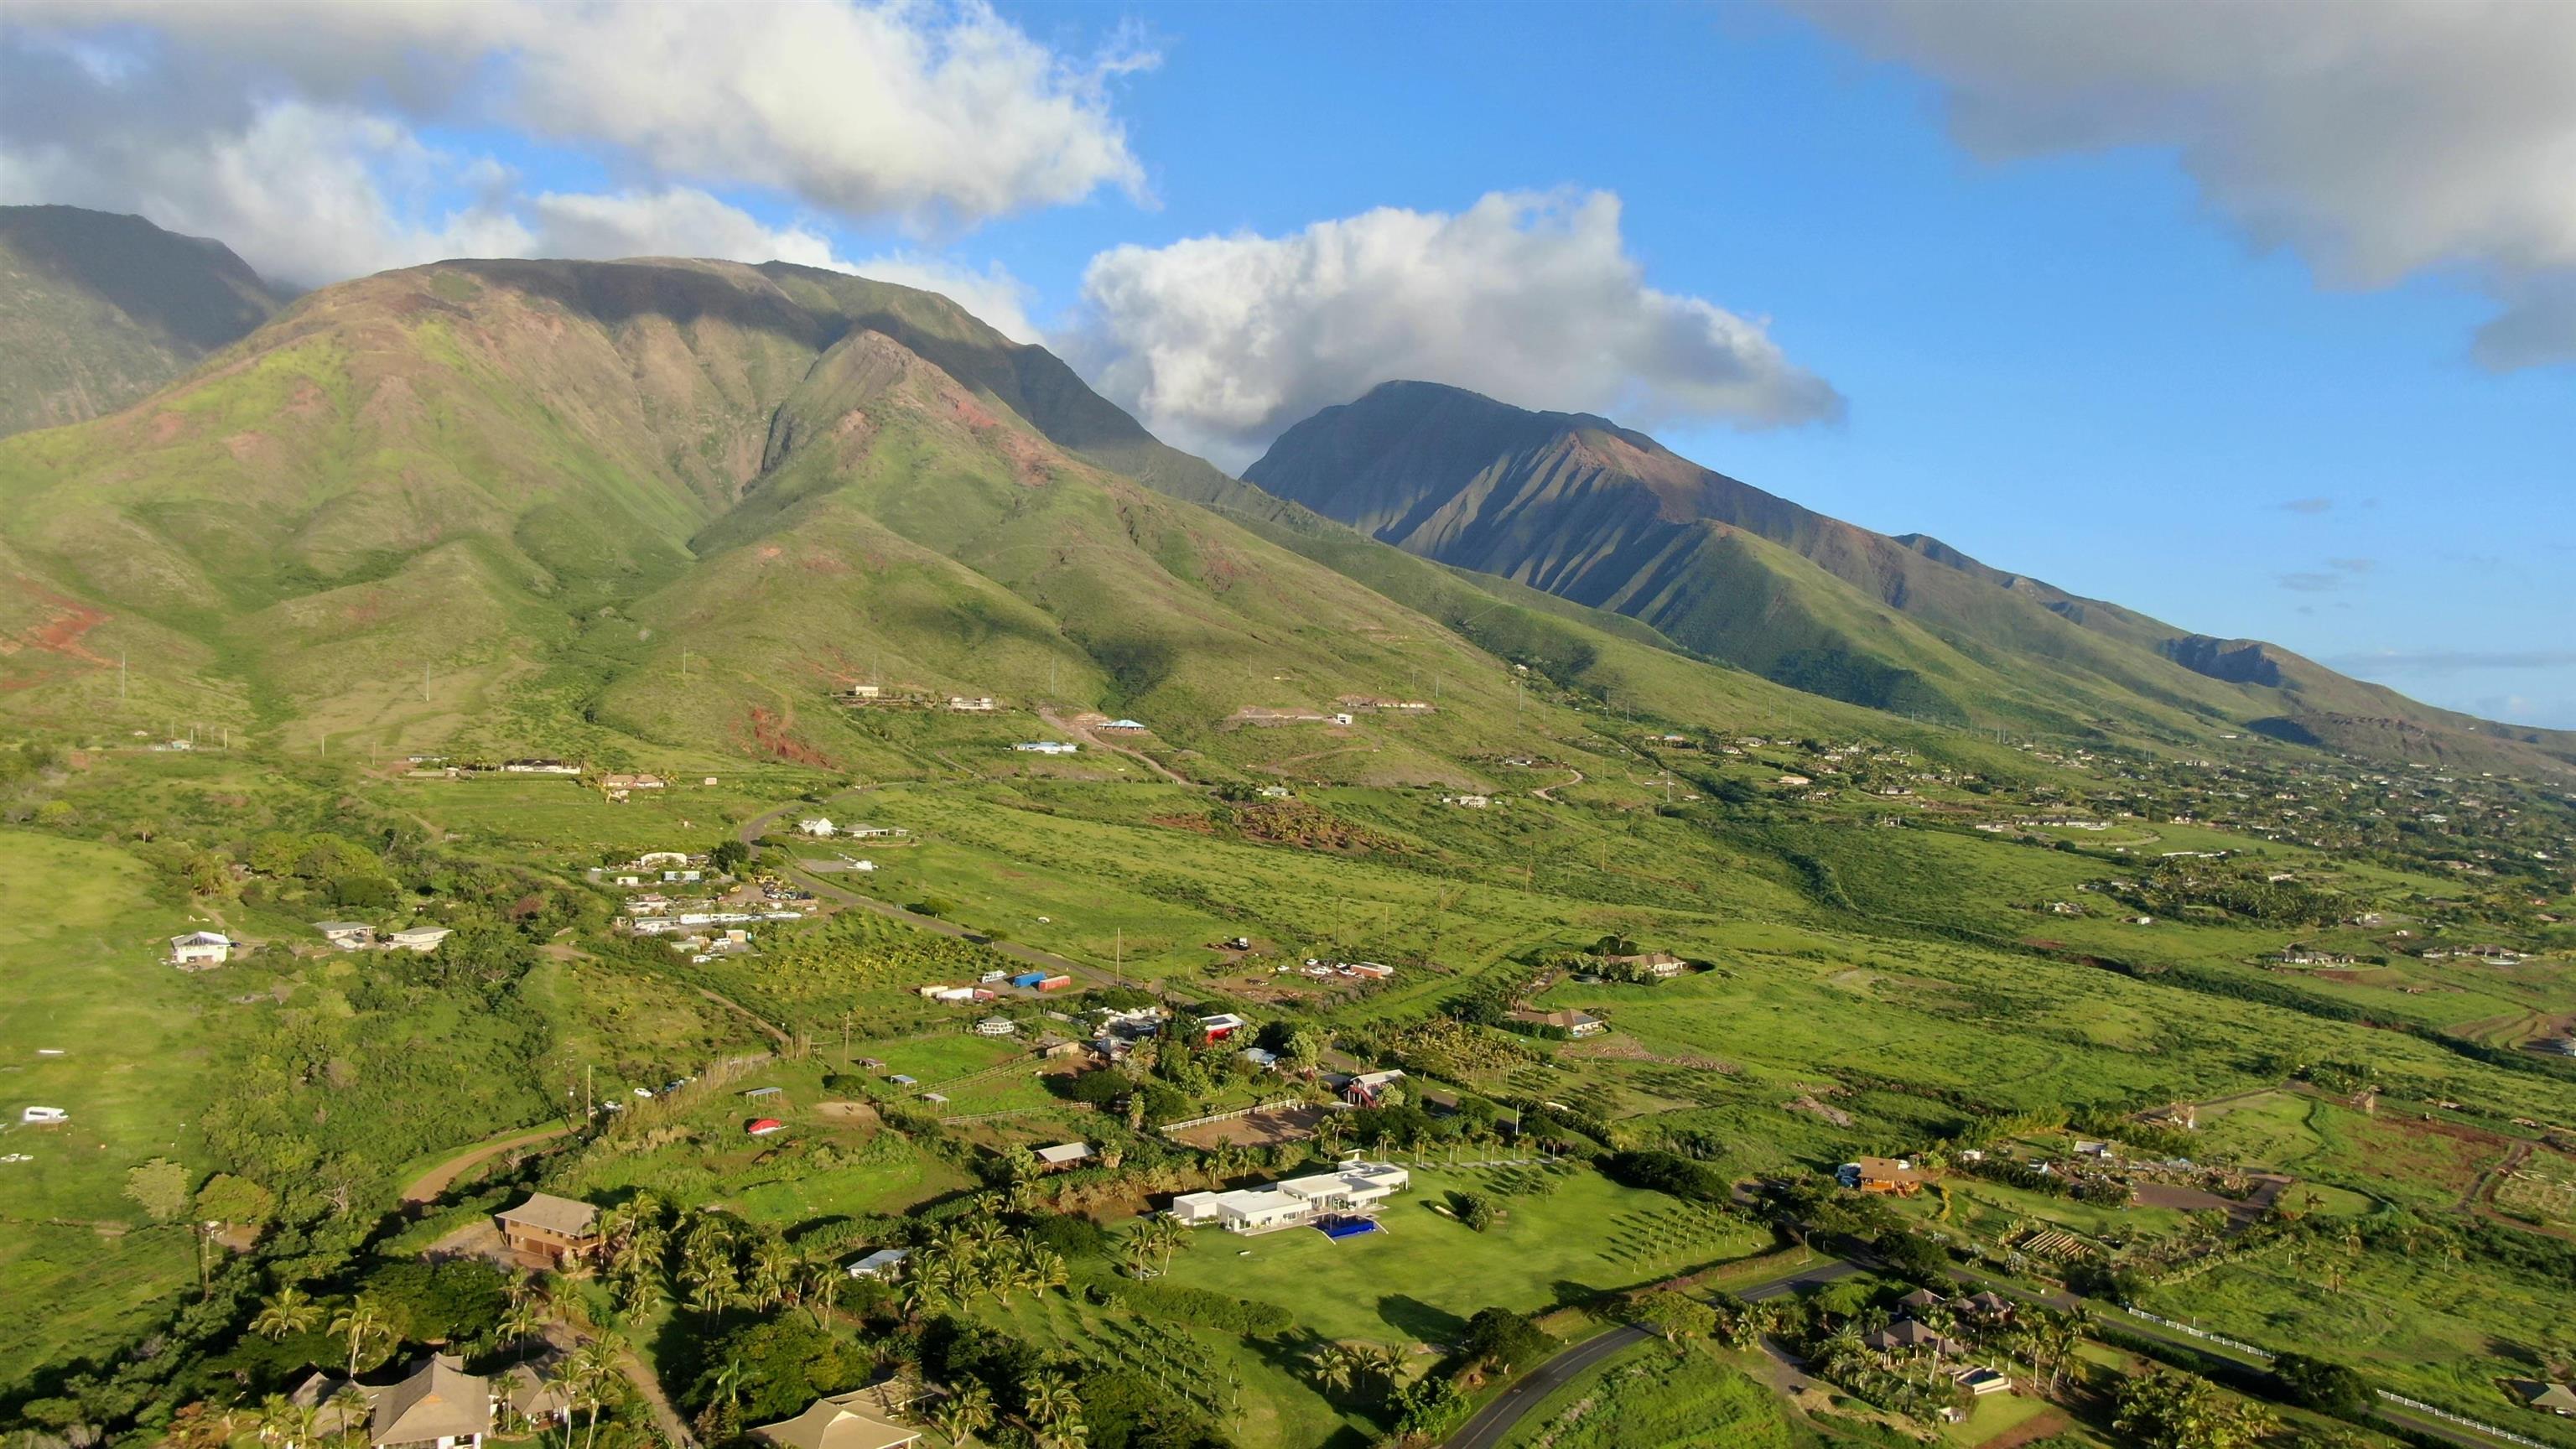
[[1905, 1333], [1893, 1175], [1472, 802], [1275, 792], [2546, 1397], [1572, 1023], [1355, 1189], [1046, 747], [1990, 1307], [1796, 780], [1217, 1028], [1369, 969], [1063, 1155], [632, 782], [817, 826], [837, 1422], [874, 832], [423, 939], [533, 1398], [864, 692], [1662, 965], [1366, 1089], [884, 1263], [1121, 727], [440, 1405], [977, 704], [346, 935], [198, 950], [996, 1026], [557, 1230], [539, 767], [1055, 1048], [44, 1116], [1262, 1057]]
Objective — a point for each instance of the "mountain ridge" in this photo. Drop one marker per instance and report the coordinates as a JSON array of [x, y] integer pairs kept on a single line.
[[1577, 505]]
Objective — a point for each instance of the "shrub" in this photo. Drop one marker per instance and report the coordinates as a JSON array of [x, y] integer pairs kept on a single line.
[[1666, 1172], [1198, 1307]]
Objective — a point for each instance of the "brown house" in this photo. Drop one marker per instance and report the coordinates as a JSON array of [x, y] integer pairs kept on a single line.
[[554, 1231], [1892, 1175]]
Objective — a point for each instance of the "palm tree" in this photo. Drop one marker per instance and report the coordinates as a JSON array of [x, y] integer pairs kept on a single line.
[[589, 1372], [354, 1409], [1382, 1363], [1336, 1368], [820, 1289], [1168, 1237], [773, 1269], [1136, 1255], [290, 1310], [1068, 1432], [967, 1411], [301, 1422], [520, 1324], [1046, 1270], [273, 1413], [1049, 1398], [360, 1322]]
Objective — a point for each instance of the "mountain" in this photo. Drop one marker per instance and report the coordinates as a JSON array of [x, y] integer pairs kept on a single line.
[[1582, 508], [97, 310], [622, 509]]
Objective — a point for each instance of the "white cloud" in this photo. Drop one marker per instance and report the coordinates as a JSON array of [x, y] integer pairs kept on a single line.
[[2378, 138], [909, 109], [1219, 343]]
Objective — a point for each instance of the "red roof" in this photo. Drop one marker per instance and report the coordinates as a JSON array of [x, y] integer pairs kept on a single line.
[[765, 1124]]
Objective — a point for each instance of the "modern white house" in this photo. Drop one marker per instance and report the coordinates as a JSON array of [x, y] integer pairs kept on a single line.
[[1355, 1188], [820, 827], [423, 939], [883, 1263], [199, 949], [347, 935]]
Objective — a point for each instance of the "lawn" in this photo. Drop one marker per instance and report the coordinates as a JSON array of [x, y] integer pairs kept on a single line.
[[1420, 1278]]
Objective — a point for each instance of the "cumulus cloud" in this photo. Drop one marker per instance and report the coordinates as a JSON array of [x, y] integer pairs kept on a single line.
[[1221, 342], [2378, 138], [292, 128]]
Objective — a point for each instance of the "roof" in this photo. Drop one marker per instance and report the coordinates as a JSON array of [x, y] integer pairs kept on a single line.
[[2557, 1398], [1064, 1152], [560, 1215], [342, 926], [836, 1423], [532, 1394], [439, 1401], [202, 938]]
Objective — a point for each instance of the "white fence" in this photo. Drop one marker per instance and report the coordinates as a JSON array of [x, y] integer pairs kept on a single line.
[[2418, 1405], [1274, 1105]]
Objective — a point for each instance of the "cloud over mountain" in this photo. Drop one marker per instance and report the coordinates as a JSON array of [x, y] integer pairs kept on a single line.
[[299, 131], [2377, 138], [1220, 342]]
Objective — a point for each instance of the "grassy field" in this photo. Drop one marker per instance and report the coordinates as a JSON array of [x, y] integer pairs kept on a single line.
[[1418, 1279], [80, 924], [1650, 1397]]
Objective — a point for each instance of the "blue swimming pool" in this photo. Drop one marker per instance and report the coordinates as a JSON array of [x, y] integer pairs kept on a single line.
[[1347, 1227]]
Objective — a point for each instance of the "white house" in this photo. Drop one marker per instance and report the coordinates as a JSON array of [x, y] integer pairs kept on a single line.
[[199, 949], [971, 704], [883, 1263], [347, 935], [1046, 747], [1355, 1188], [996, 1026], [44, 1116], [423, 939], [816, 826]]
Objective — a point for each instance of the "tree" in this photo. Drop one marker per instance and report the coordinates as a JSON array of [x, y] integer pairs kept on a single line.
[[231, 1199], [2169, 1410], [362, 1322], [288, 1311], [964, 1413], [2322, 1385], [1048, 1400], [728, 857], [161, 1186], [1336, 1368], [1677, 1316]]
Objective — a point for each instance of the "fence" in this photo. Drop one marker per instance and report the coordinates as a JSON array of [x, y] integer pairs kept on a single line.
[[1276, 1104], [2417, 1405]]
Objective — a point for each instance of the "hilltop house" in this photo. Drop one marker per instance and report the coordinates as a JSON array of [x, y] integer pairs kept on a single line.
[[883, 1263], [198, 950], [631, 782], [440, 1406], [1661, 965], [837, 1422], [423, 939], [1355, 1189], [1122, 727], [1366, 1089], [820, 827], [1892, 1175], [556, 1231], [1046, 747], [1572, 1023], [1217, 1028], [347, 935], [539, 767], [974, 704]]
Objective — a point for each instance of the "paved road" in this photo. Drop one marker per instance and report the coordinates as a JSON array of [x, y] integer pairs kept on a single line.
[[758, 826], [1494, 1422]]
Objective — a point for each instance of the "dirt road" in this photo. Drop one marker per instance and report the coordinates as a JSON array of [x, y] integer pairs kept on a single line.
[[431, 1184]]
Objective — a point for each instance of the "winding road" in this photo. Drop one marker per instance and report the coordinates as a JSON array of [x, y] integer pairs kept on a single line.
[[1494, 1422], [428, 1186]]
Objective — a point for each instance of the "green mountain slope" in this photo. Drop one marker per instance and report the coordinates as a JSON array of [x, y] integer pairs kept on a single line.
[[626, 509], [1579, 507], [97, 310]]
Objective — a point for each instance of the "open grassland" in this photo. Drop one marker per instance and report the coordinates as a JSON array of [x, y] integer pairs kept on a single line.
[[1650, 1397], [78, 926]]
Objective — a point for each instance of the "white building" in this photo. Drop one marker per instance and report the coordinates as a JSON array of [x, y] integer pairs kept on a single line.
[[423, 939], [199, 949], [817, 826], [1354, 1188]]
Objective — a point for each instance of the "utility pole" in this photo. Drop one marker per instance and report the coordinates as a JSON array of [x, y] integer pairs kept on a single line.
[[424, 681], [1118, 960], [587, 1110], [120, 676], [684, 666]]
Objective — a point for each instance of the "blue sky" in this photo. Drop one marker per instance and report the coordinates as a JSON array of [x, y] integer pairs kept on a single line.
[[1952, 282]]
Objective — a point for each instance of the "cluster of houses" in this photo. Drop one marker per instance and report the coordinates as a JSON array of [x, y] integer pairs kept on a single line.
[[1910, 1335], [360, 936], [878, 696], [1353, 1191], [1383, 705]]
